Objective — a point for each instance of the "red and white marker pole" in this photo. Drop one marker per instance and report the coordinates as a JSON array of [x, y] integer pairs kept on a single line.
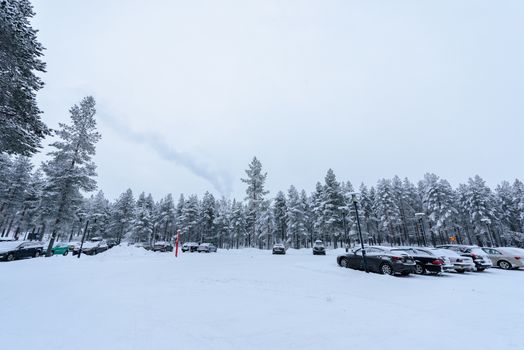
[[176, 243]]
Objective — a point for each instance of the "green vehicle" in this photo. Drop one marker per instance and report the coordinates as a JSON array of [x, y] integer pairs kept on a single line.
[[61, 249]]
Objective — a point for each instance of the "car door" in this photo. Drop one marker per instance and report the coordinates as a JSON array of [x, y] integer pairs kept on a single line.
[[24, 251], [354, 259], [494, 255]]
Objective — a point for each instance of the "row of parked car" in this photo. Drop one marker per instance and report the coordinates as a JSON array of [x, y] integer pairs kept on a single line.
[[428, 260], [191, 247], [15, 250]]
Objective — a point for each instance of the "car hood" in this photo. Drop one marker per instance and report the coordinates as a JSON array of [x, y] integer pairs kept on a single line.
[[8, 246]]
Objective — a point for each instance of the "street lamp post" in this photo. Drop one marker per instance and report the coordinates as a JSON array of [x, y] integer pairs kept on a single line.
[[355, 201], [421, 221]]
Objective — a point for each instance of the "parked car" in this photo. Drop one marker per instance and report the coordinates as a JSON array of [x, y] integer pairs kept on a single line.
[[162, 246], [279, 248], [15, 250], [189, 247], [506, 258], [60, 249], [111, 243], [206, 248], [379, 259], [460, 263], [92, 248], [426, 261], [480, 258], [319, 248]]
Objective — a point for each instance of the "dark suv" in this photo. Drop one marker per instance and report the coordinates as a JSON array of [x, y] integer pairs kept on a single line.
[[319, 248], [279, 248]]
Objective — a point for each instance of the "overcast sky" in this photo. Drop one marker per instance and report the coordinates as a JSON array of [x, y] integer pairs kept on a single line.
[[189, 91]]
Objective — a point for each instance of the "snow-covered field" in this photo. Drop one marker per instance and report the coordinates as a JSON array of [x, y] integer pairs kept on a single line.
[[128, 298]]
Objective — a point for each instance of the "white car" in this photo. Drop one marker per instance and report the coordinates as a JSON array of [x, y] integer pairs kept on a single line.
[[460, 263], [206, 248]]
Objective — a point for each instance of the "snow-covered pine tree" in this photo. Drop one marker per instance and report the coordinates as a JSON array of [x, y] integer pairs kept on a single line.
[[518, 199], [208, 217], [481, 209], [21, 128], [222, 222], [279, 215], [71, 168], [265, 225], [508, 207], [296, 223], [439, 202], [123, 215], [12, 205], [388, 211], [308, 217], [255, 193], [332, 207], [238, 225]]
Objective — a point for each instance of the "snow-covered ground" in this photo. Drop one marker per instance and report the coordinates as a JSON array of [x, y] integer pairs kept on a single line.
[[128, 298]]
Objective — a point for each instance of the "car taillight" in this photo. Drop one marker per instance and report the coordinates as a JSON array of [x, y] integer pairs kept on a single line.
[[396, 258], [438, 262]]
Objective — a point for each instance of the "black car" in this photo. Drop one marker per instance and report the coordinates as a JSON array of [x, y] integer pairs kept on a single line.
[[426, 261], [279, 248], [480, 258], [379, 259], [15, 250], [91, 248], [319, 248], [162, 247]]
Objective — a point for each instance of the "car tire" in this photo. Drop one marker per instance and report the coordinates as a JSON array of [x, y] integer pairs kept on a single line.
[[10, 257], [344, 263], [65, 253], [419, 269], [386, 269], [505, 265], [37, 254], [480, 269], [460, 271], [52, 253]]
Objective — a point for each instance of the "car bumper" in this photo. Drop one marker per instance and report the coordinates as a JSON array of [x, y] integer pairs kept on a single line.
[[463, 267], [404, 268], [281, 252]]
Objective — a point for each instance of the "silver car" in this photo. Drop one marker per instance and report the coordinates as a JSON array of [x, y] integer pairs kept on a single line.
[[506, 258], [460, 263]]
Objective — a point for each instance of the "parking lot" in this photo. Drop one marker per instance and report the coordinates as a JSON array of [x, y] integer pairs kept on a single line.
[[129, 298]]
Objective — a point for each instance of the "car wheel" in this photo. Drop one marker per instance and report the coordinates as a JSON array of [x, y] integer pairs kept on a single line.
[[460, 271], [344, 262], [386, 269], [505, 265], [52, 253], [419, 269], [66, 252], [37, 254], [480, 269], [10, 257]]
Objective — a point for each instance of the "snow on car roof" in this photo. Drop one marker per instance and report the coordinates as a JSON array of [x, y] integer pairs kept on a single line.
[[445, 252], [10, 245]]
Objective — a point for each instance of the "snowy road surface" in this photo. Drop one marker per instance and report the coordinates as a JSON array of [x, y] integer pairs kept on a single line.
[[128, 298]]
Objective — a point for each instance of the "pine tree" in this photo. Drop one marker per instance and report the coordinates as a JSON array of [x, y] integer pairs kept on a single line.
[[332, 207], [208, 217], [388, 211], [71, 169], [255, 195], [295, 215], [279, 215], [21, 128], [123, 215]]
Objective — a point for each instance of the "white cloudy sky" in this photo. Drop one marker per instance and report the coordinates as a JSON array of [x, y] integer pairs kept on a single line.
[[189, 91]]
